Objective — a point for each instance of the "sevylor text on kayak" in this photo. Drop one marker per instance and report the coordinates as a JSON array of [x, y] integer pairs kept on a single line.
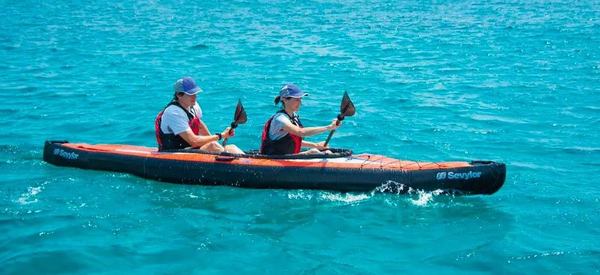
[[340, 171]]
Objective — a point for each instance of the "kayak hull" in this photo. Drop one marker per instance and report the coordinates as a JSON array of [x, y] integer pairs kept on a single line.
[[361, 173]]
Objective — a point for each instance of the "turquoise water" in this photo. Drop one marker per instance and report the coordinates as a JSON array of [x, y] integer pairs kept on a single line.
[[511, 81]]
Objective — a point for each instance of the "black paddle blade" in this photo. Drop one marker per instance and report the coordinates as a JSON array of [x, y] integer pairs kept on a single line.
[[347, 107], [240, 114]]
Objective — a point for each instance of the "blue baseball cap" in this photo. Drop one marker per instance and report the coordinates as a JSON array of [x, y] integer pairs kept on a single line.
[[289, 90], [186, 85]]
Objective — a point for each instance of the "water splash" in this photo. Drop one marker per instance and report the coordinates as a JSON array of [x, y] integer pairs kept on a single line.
[[425, 198], [346, 197], [299, 195], [392, 187], [349, 198], [30, 196], [416, 197]]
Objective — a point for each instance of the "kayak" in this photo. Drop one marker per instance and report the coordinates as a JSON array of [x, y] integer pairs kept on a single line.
[[340, 171]]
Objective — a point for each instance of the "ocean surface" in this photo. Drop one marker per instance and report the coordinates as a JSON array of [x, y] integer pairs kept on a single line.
[[510, 81]]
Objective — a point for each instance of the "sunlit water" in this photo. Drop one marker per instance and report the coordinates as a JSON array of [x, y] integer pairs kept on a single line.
[[517, 82]]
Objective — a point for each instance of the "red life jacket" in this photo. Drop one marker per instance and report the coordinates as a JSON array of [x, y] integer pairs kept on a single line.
[[288, 144], [172, 141]]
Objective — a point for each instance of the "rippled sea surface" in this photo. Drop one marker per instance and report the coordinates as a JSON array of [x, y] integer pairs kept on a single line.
[[510, 81]]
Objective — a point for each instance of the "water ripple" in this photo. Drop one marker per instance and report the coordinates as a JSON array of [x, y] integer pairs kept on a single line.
[[510, 81]]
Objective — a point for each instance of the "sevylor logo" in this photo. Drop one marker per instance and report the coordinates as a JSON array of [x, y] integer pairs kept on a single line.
[[441, 176], [64, 154], [458, 176]]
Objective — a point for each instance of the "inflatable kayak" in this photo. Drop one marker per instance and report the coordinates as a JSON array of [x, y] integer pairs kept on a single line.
[[341, 171]]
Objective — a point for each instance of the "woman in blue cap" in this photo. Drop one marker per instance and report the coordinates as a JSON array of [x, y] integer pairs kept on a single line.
[[283, 132], [179, 124]]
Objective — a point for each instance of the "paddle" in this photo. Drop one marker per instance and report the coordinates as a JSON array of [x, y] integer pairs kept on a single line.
[[346, 109], [238, 118]]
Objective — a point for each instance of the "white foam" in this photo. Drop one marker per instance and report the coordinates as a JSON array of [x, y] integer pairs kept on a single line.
[[347, 198], [425, 198], [299, 195], [29, 196]]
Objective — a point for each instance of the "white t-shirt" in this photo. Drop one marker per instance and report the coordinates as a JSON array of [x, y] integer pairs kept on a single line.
[[276, 131], [175, 121]]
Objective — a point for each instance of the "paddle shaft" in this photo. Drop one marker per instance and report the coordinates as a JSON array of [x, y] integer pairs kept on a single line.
[[346, 109], [329, 137], [340, 118]]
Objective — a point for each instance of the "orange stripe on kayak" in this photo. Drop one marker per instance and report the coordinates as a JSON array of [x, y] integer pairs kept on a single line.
[[361, 161]]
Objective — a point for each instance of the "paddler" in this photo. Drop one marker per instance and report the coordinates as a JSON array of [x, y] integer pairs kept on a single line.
[[179, 125], [283, 133]]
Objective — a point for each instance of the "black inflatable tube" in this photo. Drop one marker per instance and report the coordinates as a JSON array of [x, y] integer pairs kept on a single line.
[[490, 180]]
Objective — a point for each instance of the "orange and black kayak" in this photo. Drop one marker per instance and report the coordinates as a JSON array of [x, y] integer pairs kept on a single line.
[[341, 171]]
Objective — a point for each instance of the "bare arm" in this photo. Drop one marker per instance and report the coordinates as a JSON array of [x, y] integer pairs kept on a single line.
[[315, 145], [308, 144], [199, 141], [308, 131]]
